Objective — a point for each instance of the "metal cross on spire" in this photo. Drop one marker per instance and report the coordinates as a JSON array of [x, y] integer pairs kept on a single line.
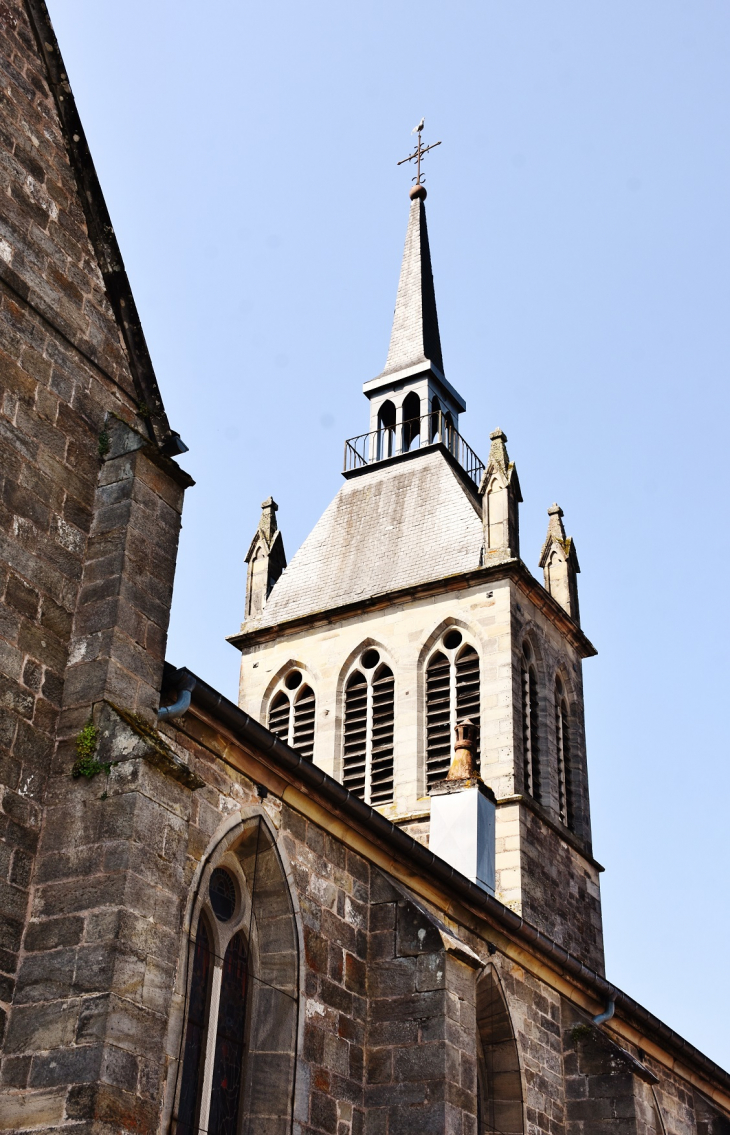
[[418, 153]]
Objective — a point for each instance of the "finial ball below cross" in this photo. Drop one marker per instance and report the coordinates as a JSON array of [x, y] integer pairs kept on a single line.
[[419, 189]]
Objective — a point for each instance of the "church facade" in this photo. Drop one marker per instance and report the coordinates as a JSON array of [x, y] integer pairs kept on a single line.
[[363, 900]]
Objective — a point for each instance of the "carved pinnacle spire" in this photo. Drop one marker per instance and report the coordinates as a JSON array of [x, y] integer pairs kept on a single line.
[[501, 496], [498, 450], [560, 564], [267, 523], [266, 559]]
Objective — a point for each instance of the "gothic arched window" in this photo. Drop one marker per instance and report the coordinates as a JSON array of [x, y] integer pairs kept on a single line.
[[238, 1041], [367, 757], [292, 713], [435, 430], [449, 437], [210, 1092], [530, 723], [411, 421], [562, 740], [386, 430], [452, 696], [499, 1083]]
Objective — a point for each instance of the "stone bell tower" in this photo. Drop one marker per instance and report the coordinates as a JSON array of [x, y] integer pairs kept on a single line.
[[408, 611]]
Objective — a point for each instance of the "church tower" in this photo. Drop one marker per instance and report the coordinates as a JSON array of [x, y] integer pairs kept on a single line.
[[408, 611]]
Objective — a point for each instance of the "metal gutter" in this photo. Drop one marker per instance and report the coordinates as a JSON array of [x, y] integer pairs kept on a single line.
[[248, 730]]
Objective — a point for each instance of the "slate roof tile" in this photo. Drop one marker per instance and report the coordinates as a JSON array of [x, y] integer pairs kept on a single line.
[[395, 526]]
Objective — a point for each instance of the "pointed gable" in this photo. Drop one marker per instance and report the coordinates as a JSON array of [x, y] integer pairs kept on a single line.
[[58, 251]]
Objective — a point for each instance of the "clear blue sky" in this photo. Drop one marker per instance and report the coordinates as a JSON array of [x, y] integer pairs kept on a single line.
[[580, 231]]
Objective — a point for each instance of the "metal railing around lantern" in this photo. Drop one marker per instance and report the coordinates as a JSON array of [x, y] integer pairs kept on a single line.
[[435, 428]]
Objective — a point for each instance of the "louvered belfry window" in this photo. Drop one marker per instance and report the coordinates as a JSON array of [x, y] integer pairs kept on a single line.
[[367, 757], [562, 739], [279, 715], [530, 725], [452, 696], [292, 714]]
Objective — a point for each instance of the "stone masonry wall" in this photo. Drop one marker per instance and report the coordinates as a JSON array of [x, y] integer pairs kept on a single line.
[[389, 1040], [62, 370]]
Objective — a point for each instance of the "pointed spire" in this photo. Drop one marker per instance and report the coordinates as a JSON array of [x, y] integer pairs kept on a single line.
[[266, 559], [560, 564], [415, 336], [500, 491]]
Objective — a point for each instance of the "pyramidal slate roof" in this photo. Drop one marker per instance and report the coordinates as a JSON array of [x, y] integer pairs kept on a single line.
[[395, 526], [415, 335]]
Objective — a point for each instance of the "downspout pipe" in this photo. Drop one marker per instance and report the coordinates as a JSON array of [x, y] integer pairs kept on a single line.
[[607, 1013], [185, 687]]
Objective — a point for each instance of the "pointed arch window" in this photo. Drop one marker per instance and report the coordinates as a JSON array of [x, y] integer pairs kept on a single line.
[[292, 712], [386, 431], [435, 427], [194, 1054], [368, 736], [562, 739], [411, 421], [241, 1006], [530, 723], [449, 438], [212, 1071], [499, 1082], [452, 696]]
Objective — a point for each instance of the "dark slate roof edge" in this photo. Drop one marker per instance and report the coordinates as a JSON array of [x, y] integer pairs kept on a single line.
[[247, 729], [512, 569], [101, 234]]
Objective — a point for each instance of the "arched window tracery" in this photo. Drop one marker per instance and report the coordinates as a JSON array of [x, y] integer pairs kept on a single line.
[[530, 724], [195, 1037], [225, 1097], [210, 1093], [565, 769], [292, 712], [368, 734], [241, 1001], [452, 696]]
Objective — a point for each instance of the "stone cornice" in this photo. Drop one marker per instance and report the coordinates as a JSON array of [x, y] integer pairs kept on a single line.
[[514, 570]]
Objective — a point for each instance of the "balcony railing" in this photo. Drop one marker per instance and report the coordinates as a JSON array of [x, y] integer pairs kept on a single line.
[[435, 428]]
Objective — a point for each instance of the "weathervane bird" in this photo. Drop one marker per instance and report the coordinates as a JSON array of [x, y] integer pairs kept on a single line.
[[419, 128]]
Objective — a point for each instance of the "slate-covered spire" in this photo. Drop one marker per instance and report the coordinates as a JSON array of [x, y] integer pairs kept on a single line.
[[415, 336], [560, 564]]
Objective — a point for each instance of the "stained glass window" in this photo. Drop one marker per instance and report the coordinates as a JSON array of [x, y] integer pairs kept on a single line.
[[222, 892], [193, 1061], [228, 1062]]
